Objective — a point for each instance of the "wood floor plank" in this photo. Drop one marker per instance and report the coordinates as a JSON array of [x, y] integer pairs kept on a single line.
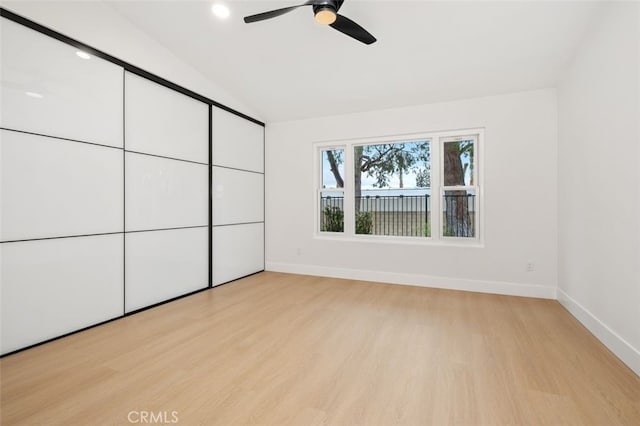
[[283, 349]]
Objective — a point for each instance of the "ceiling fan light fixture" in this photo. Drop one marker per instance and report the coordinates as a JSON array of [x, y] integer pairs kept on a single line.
[[325, 12], [325, 16]]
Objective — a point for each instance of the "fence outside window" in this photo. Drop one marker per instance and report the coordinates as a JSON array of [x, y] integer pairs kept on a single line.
[[401, 215]]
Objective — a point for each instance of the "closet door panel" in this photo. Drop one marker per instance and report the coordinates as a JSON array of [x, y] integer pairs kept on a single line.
[[54, 187], [164, 122], [238, 196], [237, 143], [54, 287], [162, 193], [47, 88], [161, 265], [238, 250]]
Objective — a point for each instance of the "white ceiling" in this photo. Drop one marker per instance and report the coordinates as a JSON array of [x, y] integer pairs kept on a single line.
[[290, 67]]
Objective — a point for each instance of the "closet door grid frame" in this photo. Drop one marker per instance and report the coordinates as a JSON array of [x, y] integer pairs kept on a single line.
[[4, 13]]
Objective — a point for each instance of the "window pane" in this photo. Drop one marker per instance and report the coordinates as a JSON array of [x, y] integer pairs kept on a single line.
[[400, 215], [331, 211], [458, 213], [458, 161], [392, 187], [333, 168]]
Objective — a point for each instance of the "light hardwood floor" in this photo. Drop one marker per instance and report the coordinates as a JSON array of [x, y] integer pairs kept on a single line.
[[278, 349]]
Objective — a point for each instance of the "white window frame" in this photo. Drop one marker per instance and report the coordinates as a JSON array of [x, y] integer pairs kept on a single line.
[[436, 138], [319, 189], [476, 187]]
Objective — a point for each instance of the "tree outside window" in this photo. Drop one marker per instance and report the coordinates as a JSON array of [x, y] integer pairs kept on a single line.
[[391, 184]]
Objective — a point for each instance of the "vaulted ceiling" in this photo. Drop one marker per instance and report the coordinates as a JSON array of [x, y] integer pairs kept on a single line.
[[291, 67]]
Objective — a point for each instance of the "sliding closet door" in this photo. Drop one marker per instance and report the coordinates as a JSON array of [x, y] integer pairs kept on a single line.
[[237, 197], [110, 201], [53, 89], [61, 188], [166, 193]]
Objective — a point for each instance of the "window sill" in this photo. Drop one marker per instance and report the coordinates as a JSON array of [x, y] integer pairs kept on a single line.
[[412, 241]]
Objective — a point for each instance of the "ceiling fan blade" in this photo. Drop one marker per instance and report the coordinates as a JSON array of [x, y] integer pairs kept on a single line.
[[350, 28], [275, 13]]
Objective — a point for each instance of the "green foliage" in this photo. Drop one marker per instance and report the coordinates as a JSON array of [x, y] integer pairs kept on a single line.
[[333, 220], [422, 165], [427, 230], [383, 161], [423, 178], [364, 223]]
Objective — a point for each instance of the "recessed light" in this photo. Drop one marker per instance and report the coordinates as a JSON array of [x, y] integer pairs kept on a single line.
[[220, 10], [34, 95], [83, 55]]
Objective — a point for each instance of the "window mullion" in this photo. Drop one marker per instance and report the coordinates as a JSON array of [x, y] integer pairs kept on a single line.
[[349, 194], [436, 167]]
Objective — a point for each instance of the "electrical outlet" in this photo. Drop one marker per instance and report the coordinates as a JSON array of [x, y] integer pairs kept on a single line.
[[530, 266]]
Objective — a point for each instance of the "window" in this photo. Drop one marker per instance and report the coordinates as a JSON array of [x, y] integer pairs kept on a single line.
[[391, 184], [459, 191], [390, 188], [331, 193]]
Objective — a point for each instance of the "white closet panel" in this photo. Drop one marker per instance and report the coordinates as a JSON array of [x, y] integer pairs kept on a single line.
[[53, 187], [53, 287], [48, 89], [238, 197], [164, 122], [161, 265], [238, 250], [163, 193], [237, 142]]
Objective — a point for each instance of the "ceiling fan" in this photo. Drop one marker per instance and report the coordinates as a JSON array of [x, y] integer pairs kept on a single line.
[[325, 12]]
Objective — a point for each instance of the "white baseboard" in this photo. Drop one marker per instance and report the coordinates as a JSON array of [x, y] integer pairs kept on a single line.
[[494, 287], [616, 344]]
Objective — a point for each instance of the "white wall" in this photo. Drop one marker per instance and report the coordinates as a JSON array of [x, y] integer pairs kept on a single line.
[[519, 188], [599, 195], [100, 26]]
